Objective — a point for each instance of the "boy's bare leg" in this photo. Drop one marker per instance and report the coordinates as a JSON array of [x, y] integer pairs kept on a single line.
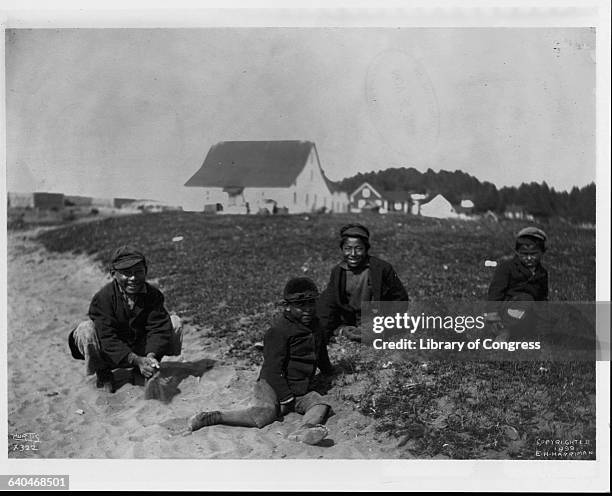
[[238, 418]]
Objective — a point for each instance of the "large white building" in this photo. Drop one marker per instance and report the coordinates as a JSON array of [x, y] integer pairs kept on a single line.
[[250, 176]]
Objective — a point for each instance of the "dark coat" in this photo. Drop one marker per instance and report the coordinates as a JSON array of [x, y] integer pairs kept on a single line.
[[333, 308], [512, 278], [147, 329], [291, 356]]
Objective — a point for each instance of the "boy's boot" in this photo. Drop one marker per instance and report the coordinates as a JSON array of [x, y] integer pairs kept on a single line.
[[104, 379]]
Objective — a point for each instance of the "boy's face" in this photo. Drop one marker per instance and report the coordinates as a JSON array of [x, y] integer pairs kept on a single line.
[[354, 252], [529, 255], [302, 311], [132, 280]]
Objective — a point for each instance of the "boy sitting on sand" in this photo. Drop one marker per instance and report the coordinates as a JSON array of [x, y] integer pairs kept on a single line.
[[292, 347], [358, 278], [128, 326], [520, 281]]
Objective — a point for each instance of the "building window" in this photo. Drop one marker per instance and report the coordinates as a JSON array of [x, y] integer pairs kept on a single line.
[[306, 198], [311, 175], [294, 197], [315, 200], [365, 192]]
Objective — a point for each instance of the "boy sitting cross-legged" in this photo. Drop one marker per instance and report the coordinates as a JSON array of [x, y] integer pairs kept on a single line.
[[292, 352], [519, 283]]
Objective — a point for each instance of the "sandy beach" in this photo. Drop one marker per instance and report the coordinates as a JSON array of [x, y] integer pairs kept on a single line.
[[50, 397]]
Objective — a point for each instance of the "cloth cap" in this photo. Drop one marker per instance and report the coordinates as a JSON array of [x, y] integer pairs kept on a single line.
[[532, 232], [531, 237], [126, 256], [300, 289], [355, 231]]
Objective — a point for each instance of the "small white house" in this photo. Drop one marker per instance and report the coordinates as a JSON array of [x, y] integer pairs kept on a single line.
[[366, 197], [257, 176], [438, 207]]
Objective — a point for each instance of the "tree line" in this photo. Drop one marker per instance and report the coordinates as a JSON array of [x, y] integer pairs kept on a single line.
[[538, 199]]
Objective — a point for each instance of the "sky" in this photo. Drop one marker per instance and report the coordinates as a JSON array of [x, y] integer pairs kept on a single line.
[[133, 112]]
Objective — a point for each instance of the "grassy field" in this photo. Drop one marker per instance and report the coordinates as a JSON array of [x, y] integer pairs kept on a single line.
[[227, 273]]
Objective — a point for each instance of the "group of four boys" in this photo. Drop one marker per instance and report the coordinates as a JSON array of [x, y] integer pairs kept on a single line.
[[129, 327]]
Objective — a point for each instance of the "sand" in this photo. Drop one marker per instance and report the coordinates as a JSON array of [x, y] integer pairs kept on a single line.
[[49, 395]]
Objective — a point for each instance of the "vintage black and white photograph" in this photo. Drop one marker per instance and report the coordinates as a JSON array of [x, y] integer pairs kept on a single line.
[[197, 218]]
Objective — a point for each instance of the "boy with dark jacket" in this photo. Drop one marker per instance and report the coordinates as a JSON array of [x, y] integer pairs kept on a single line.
[[359, 277], [292, 350], [128, 326], [521, 281], [523, 275]]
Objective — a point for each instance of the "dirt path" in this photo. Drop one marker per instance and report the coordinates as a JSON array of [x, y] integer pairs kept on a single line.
[[48, 394]]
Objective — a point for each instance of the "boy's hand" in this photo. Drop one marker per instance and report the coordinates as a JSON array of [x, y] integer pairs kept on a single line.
[[146, 366], [153, 361]]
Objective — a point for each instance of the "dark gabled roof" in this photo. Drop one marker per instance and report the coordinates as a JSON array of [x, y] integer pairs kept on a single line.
[[366, 183], [396, 196], [256, 164]]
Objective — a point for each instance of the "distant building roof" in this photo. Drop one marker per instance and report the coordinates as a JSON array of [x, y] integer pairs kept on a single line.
[[363, 186], [515, 208], [396, 196], [252, 164]]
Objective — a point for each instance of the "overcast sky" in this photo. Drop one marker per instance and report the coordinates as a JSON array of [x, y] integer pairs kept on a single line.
[[133, 112]]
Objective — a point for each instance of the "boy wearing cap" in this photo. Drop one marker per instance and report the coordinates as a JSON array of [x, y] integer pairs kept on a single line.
[[128, 325], [292, 347], [359, 277], [521, 280]]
